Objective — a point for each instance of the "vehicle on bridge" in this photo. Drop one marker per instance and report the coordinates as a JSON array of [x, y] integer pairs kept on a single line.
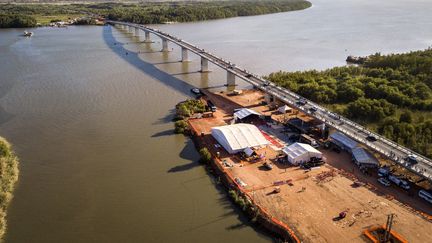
[[412, 159], [371, 138]]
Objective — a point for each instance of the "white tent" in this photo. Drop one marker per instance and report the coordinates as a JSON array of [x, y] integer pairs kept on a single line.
[[298, 153], [237, 137], [284, 109], [245, 112]]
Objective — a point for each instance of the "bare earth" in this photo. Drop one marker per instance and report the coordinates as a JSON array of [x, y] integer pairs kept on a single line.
[[310, 205]]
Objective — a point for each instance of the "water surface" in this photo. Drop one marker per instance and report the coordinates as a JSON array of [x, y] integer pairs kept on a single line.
[[88, 110]]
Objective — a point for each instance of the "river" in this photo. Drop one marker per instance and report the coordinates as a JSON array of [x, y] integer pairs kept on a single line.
[[88, 110]]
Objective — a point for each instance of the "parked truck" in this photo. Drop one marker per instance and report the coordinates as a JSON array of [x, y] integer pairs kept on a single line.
[[399, 182]]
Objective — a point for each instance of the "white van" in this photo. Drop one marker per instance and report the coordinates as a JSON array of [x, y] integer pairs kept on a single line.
[[425, 195]]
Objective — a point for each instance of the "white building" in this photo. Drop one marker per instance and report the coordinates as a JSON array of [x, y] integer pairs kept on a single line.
[[237, 137], [298, 153]]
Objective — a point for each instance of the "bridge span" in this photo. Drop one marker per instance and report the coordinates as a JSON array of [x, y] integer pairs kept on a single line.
[[383, 146]]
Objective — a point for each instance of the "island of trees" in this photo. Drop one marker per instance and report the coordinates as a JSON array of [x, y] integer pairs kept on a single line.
[[8, 178], [390, 94], [28, 15]]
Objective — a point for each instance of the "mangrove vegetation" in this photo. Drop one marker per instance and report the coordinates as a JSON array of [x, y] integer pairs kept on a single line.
[[8, 178], [391, 94], [27, 15]]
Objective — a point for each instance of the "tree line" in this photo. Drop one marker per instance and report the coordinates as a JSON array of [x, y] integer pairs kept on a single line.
[[381, 93], [16, 21], [157, 12]]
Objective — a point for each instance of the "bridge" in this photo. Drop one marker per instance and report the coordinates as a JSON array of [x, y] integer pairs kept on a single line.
[[382, 145]]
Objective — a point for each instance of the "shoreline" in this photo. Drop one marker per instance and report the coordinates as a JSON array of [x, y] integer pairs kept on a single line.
[[263, 218], [8, 178]]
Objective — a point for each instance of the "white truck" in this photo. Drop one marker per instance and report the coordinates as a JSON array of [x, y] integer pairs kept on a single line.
[[399, 182]]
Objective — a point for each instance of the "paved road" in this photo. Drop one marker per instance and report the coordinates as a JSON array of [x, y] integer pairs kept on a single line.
[[383, 146]]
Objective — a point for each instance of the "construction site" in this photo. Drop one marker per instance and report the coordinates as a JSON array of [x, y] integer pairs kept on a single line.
[[318, 191]]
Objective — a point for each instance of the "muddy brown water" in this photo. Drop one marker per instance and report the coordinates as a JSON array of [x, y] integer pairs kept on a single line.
[[88, 110]]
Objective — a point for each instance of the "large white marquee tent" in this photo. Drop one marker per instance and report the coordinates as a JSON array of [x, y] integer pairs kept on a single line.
[[298, 153], [237, 137]]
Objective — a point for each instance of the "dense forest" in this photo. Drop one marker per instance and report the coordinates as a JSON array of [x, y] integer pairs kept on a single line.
[[149, 12], [16, 21], [391, 94]]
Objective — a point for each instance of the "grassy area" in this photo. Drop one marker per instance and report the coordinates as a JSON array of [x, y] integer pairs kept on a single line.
[[8, 177]]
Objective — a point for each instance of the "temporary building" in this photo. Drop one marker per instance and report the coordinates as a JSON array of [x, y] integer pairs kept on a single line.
[[237, 137], [244, 112], [248, 151], [284, 109], [364, 158], [343, 141], [298, 153]]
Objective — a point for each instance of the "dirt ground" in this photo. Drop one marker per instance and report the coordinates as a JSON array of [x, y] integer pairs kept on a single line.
[[310, 205]]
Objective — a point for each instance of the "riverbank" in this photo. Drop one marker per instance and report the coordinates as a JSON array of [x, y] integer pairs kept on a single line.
[[143, 13], [305, 205], [8, 177]]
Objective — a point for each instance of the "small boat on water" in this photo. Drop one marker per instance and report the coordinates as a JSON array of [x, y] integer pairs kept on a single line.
[[28, 34], [196, 91]]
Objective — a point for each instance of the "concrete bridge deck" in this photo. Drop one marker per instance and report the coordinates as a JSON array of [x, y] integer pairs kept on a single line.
[[384, 146]]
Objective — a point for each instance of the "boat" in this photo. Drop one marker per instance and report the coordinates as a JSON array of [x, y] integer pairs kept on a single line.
[[196, 91], [28, 34]]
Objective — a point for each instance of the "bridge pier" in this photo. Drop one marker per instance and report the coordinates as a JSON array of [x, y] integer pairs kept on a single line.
[[230, 78], [204, 65], [184, 55], [136, 31], [270, 99], [164, 45], [147, 37]]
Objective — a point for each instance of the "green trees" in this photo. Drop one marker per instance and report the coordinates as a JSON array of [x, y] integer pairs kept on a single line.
[[370, 109], [16, 21], [375, 93], [8, 177], [184, 110], [161, 12], [180, 126], [155, 13], [205, 155]]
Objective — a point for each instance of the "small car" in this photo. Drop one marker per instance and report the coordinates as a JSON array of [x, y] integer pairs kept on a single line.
[[240, 182], [371, 138], [384, 181], [268, 165], [312, 109], [412, 159]]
